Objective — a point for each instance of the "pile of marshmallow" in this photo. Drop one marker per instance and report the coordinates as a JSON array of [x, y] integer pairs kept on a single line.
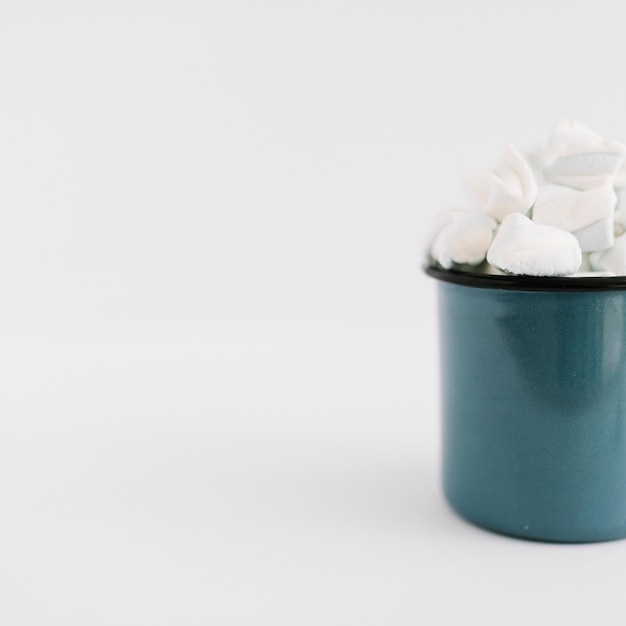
[[561, 218]]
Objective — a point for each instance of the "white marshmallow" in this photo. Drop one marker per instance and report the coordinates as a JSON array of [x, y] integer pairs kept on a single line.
[[440, 221], [463, 240], [523, 247], [619, 221], [509, 188], [534, 158], [619, 181], [572, 210], [611, 260], [577, 157], [596, 236], [570, 130]]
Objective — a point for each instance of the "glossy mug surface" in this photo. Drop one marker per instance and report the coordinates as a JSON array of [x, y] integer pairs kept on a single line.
[[533, 382]]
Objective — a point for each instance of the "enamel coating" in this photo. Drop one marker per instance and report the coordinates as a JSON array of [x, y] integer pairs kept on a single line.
[[534, 410]]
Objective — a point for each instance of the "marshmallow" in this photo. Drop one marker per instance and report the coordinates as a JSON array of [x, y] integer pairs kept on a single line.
[[523, 247], [577, 157], [596, 236], [441, 220], [464, 239], [587, 214], [570, 209], [619, 221], [620, 177], [611, 260], [534, 158], [509, 188]]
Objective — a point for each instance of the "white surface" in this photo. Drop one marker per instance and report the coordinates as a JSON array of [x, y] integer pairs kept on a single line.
[[218, 354]]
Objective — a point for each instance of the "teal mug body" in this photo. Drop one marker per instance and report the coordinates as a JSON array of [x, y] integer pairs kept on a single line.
[[533, 384]]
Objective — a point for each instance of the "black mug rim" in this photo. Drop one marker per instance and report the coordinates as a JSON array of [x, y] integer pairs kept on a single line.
[[527, 283]]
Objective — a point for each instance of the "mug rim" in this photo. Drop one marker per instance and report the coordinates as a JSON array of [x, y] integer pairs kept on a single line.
[[526, 283]]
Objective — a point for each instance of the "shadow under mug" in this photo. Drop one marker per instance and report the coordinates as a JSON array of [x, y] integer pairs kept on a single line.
[[533, 387]]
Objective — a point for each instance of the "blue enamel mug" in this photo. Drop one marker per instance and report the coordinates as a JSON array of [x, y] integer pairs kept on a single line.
[[533, 387]]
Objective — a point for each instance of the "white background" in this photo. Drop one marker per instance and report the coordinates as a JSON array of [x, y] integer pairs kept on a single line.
[[218, 353]]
